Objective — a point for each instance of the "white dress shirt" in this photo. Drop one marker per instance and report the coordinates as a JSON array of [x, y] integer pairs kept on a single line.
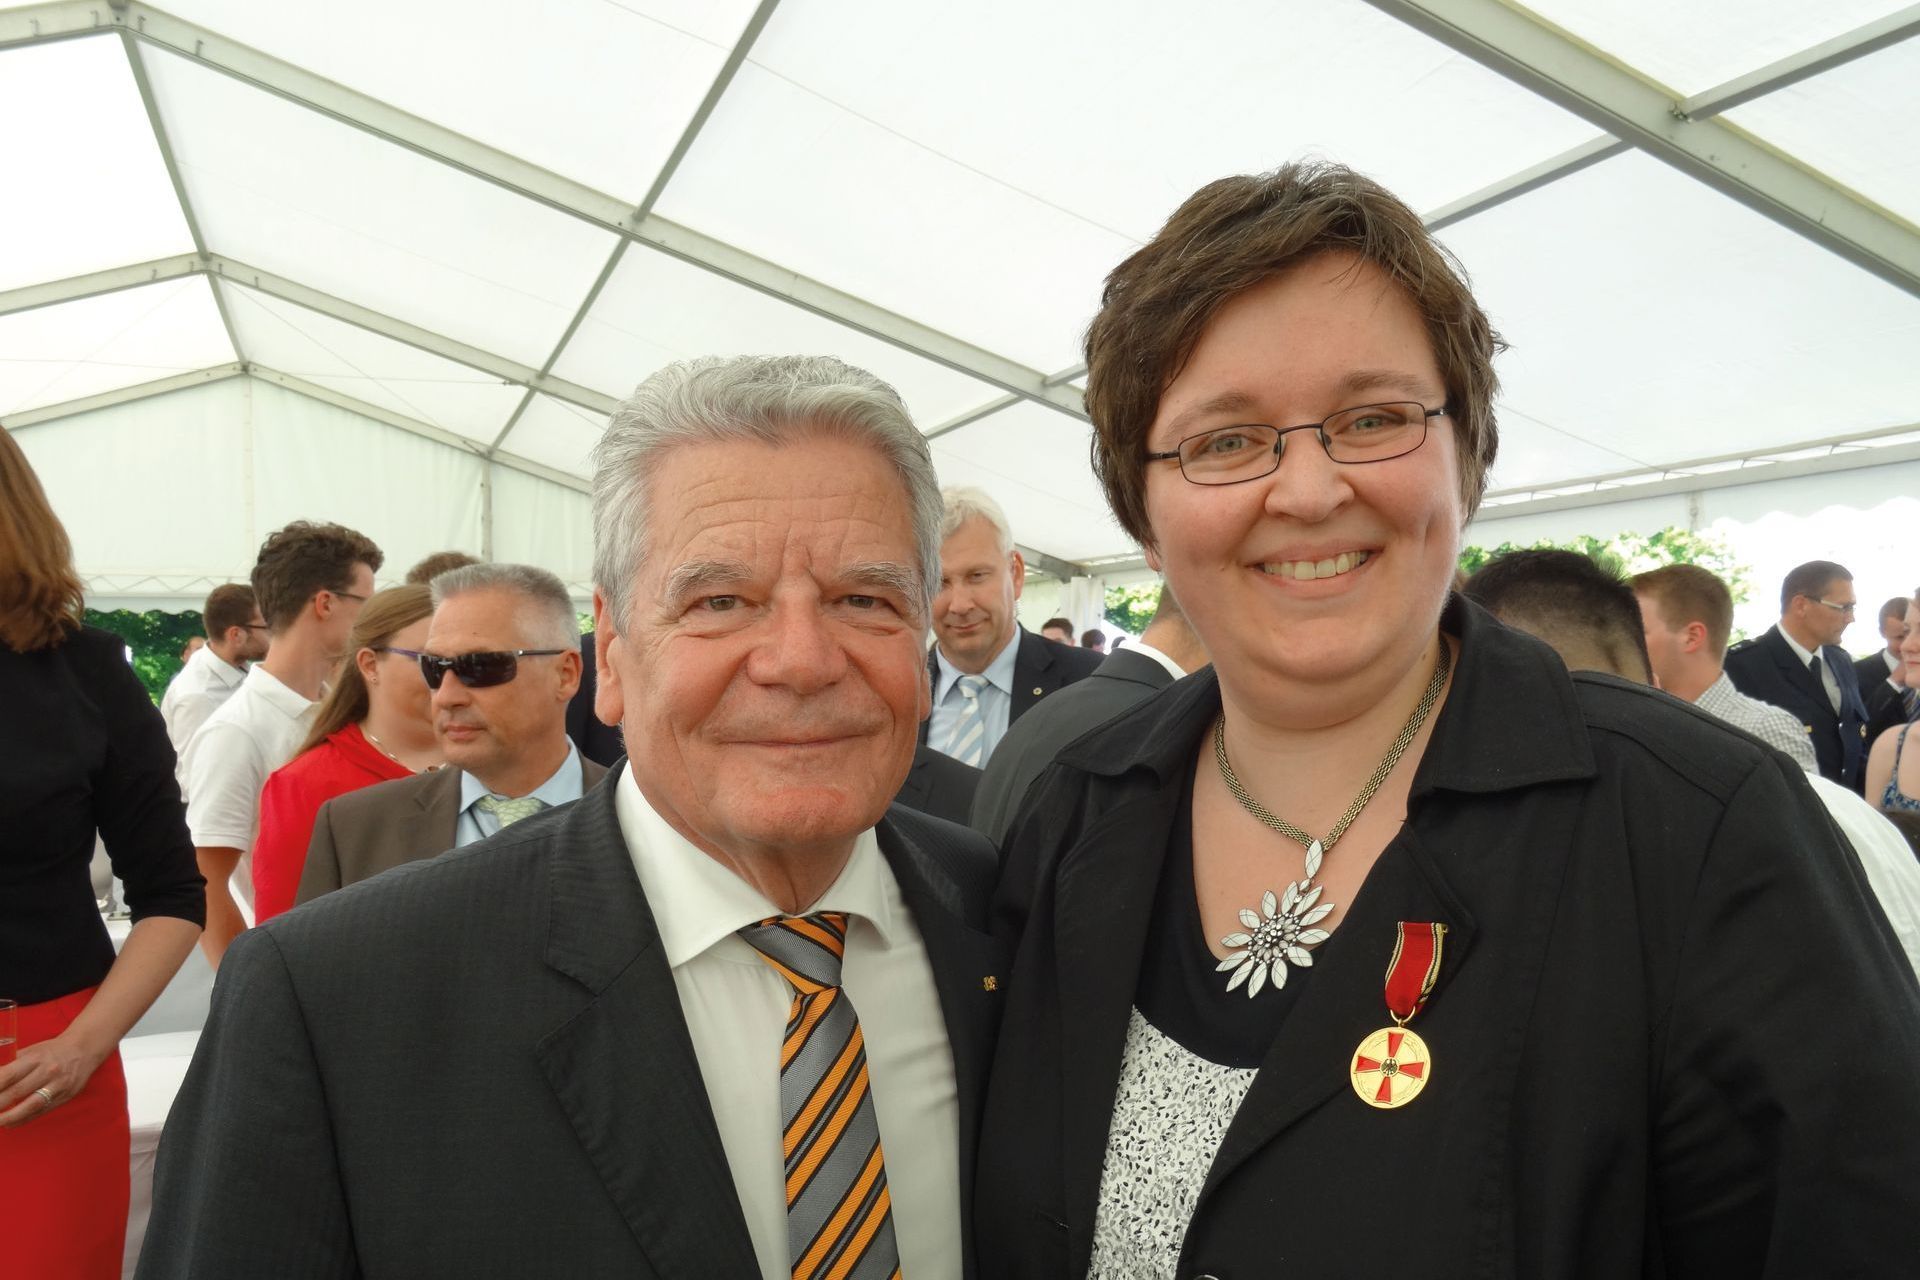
[[1146, 650], [193, 695], [1886, 858], [736, 1011], [474, 824], [1827, 677], [996, 700], [253, 733]]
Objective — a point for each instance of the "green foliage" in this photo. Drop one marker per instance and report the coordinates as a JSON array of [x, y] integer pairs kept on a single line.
[[1131, 608], [1633, 553], [156, 639]]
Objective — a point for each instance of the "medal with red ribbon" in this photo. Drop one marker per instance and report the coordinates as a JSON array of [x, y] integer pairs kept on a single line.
[[1393, 1065]]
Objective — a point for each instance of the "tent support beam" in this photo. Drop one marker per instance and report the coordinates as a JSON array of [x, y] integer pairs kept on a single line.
[[97, 283], [66, 19], [122, 395], [1839, 51], [1545, 60], [688, 136]]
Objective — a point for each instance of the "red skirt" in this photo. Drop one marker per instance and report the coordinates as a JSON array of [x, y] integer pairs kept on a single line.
[[64, 1176]]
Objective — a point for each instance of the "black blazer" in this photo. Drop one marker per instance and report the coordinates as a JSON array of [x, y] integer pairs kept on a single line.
[[1767, 668], [1871, 673], [939, 785], [477, 1066], [600, 743], [1124, 680], [1624, 1081], [1040, 667]]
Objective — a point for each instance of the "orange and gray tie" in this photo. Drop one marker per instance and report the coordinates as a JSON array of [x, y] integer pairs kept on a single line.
[[839, 1213]]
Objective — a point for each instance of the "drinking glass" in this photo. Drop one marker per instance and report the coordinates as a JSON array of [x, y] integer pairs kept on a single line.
[[9, 1030]]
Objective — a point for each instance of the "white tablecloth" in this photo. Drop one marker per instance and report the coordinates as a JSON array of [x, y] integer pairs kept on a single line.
[[183, 1005], [156, 1065]]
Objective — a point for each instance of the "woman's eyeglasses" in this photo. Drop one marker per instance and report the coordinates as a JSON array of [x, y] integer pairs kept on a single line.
[[474, 670]]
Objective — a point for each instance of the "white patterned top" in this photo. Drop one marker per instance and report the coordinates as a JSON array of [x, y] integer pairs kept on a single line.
[[1169, 1115]]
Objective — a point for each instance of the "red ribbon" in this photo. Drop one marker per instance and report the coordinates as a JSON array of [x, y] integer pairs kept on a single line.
[[1414, 968]]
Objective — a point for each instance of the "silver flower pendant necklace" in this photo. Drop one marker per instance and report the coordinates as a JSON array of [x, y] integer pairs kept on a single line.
[[1283, 931]]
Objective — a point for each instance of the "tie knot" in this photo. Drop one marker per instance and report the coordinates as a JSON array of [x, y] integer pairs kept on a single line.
[[972, 687], [509, 811], [805, 950]]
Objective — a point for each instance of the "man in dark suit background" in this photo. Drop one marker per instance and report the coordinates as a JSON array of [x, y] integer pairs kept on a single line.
[[504, 740], [584, 1045], [1167, 650], [987, 669], [1875, 671], [1800, 665]]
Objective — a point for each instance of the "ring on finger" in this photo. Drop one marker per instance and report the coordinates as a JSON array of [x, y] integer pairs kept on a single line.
[[48, 1096]]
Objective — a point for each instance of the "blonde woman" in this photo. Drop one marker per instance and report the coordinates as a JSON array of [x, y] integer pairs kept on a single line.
[[375, 724]]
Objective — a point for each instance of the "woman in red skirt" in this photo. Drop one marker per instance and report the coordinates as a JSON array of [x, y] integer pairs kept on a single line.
[[82, 751]]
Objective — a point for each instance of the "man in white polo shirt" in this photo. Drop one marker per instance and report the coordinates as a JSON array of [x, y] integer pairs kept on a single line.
[[236, 636], [310, 580]]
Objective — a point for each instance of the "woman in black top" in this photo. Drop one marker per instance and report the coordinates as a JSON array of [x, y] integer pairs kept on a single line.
[[1384, 946], [82, 750]]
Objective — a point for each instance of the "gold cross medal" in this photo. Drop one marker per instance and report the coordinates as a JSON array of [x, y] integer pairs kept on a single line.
[[1393, 1065]]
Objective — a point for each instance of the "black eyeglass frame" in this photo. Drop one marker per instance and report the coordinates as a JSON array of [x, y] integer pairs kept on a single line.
[[434, 668], [1319, 429]]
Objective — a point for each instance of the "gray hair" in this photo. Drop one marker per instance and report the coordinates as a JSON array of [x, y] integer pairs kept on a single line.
[[963, 503], [552, 624], [772, 400]]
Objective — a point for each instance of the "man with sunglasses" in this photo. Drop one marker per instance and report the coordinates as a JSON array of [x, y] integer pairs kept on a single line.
[[503, 661], [1800, 665], [310, 581], [728, 1015]]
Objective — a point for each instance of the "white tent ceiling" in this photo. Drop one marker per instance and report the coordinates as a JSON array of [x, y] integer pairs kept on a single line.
[[383, 265]]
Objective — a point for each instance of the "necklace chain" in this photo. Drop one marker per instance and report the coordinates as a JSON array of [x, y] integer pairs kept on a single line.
[[1401, 742]]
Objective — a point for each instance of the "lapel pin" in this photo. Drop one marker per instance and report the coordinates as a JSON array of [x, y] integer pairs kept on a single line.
[[989, 983], [1037, 691]]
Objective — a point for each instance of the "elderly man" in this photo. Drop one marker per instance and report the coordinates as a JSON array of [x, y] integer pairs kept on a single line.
[[987, 669], [727, 1016], [503, 662], [1800, 665]]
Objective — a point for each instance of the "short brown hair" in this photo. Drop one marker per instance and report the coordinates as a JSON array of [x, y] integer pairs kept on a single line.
[[1237, 233], [305, 558], [1686, 593], [438, 563], [41, 600], [229, 605], [384, 614]]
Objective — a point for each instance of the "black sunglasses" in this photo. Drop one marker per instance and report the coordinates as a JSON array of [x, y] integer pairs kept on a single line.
[[479, 670]]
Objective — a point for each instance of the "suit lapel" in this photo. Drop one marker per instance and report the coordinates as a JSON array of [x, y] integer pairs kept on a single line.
[[439, 802], [623, 1070], [1800, 677], [1345, 1001], [1032, 673]]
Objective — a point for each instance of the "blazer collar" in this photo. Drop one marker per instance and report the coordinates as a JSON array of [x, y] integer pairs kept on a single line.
[[1134, 668], [1502, 677]]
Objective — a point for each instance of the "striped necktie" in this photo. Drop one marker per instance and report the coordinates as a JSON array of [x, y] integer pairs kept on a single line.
[[968, 740], [839, 1212]]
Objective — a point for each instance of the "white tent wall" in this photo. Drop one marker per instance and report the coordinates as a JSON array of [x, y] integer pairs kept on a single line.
[[538, 522]]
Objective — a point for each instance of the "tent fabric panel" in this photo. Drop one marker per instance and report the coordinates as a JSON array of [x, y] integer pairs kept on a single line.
[[1660, 321], [556, 434], [1841, 123], [1033, 462], [633, 72], [93, 192], [540, 523], [115, 479], [290, 191], [315, 461], [343, 357], [656, 309], [81, 348], [1694, 46]]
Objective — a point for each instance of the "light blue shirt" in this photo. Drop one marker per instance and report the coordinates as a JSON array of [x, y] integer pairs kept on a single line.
[[476, 824], [996, 700]]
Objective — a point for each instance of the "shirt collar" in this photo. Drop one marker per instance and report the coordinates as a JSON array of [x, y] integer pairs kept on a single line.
[[218, 667], [697, 903], [563, 787], [1146, 650], [999, 672], [1805, 654], [1511, 719], [271, 690]]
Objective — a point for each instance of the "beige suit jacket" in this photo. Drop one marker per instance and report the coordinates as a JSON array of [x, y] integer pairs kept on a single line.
[[377, 828]]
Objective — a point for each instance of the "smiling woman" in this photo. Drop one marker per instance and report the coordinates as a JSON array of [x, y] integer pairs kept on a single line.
[[1381, 808]]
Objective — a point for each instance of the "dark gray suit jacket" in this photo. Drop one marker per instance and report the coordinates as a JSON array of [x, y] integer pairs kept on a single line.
[[1120, 683], [940, 785], [1040, 666], [358, 835], [477, 1066]]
